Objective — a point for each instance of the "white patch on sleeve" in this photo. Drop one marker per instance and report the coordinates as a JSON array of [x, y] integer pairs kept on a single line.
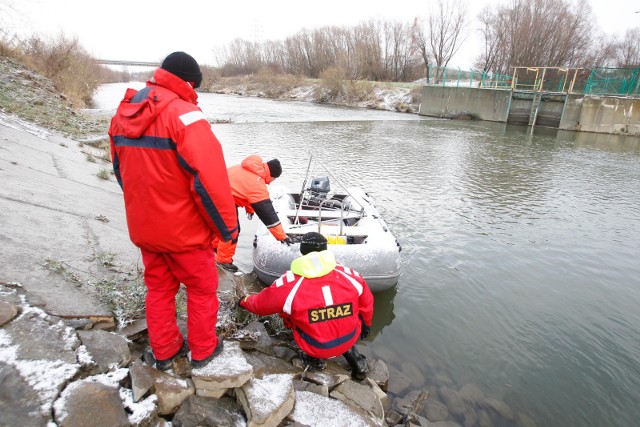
[[289, 302], [353, 281], [192, 117], [285, 278], [328, 298]]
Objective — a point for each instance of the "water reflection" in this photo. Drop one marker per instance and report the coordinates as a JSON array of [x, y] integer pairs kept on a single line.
[[383, 309]]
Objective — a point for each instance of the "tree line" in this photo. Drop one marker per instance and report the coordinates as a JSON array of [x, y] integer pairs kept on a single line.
[[525, 33]]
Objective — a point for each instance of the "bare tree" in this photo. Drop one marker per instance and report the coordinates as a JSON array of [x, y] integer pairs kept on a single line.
[[396, 56], [242, 57], [603, 52], [494, 40], [421, 44], [628, 49], [368, 49], [550, 33], [446, 32], [373, 50]]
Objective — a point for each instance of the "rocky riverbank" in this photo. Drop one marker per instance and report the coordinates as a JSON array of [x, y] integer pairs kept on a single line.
[[79, 371]]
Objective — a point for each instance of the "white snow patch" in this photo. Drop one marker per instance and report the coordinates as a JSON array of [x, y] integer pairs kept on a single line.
[[313, 410], [141, 410], [31, 310], [269, 392], [8, 352], [111, 379], [7, 291], [69, 337], [14, 122], [173, 381], [45, 376], [228, 363], [84, 357]]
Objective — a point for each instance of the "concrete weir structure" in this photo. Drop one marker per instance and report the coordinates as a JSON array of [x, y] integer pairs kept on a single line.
[[587, 113]]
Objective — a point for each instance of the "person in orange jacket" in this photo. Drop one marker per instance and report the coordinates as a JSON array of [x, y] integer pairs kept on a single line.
[[327, 306], [249, 182], [177, 197]]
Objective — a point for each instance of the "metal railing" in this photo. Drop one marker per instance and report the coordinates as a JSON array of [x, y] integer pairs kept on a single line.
[[599, 81], [456, 77]]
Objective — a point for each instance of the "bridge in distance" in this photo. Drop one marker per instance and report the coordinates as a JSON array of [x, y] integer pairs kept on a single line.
[[131, 63]]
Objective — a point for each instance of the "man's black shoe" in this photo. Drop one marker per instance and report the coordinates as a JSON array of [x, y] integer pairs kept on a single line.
[[313, 362], [229, 267], [358, 362], [197, 364], [360, 373], [165, 364]]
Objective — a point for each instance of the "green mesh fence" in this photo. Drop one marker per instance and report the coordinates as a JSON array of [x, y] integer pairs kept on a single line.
[[456, 77], [613, 81], [598, 81]]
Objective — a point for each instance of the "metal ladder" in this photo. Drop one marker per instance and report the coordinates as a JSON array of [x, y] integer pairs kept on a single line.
[[535, 107]]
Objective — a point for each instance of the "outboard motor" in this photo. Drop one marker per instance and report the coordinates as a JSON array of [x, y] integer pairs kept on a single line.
[[320, 187], [318, 191]]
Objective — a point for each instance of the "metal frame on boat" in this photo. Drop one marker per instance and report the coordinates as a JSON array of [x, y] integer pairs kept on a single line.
[[355, 232]]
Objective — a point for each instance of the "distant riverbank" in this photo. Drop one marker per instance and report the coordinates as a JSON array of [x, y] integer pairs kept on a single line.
[[33, 97], [403, 97]]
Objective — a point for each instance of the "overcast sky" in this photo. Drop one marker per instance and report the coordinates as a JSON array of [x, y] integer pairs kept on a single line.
[[149, 30]]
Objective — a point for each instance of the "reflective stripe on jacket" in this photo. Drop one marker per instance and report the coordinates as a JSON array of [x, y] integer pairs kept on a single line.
[[171, 168], [324, 302]]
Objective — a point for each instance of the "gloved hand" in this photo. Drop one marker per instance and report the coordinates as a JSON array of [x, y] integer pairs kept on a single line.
[[287, 241], [365, 331], [249, 216], [242, 298]]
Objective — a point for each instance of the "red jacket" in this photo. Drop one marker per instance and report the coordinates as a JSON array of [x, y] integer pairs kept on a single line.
[[249, 187], [171, 168], [324, 304]]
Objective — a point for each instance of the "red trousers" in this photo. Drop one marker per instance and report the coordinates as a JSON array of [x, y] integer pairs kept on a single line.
[[163, 273]]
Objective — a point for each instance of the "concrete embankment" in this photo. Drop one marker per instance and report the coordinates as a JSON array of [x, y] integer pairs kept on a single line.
[[586, 113]]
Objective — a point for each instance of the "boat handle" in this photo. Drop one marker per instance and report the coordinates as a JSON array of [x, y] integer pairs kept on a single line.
[[341, 215]]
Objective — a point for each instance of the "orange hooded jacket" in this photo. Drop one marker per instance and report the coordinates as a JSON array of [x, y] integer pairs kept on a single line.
[[249, 182], [171, 169]]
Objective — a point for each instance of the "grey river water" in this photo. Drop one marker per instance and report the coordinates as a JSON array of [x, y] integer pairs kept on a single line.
[[521, 253]]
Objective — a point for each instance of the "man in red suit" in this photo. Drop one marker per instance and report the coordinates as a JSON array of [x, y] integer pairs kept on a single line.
[[177, 197], [327, 306]]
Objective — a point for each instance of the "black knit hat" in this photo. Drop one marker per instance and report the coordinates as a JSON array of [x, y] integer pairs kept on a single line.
[[274, 168], [313, 242], [184, 66]]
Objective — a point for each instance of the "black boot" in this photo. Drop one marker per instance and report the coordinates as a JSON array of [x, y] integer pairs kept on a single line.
[[358, 363], [313, 362]]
